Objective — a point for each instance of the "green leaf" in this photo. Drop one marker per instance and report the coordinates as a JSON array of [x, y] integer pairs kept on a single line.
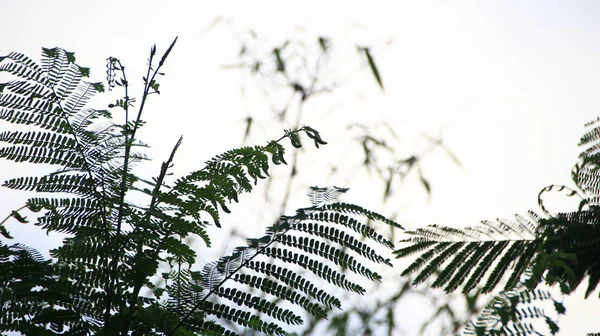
[[425, 184], [249, 121], [324, 44], [70, 57], [373, 66], [98, 87], [295, 139], [279, 61], [314, 134], [559, 307], [19, 218], [4, 232]]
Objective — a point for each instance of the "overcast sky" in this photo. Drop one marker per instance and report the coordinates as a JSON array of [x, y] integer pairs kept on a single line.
[[509, 85]]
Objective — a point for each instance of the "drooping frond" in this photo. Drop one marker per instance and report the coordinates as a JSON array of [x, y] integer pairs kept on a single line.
[[475, 256], [315, 240]]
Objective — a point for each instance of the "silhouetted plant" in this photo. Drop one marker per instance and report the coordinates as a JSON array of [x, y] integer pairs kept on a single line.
[[99, 280], [518, 255]]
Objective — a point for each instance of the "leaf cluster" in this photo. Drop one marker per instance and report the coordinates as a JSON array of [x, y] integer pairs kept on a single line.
[[520, 254]]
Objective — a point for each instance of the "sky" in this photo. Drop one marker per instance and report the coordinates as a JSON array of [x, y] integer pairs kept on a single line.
[[507, 84]]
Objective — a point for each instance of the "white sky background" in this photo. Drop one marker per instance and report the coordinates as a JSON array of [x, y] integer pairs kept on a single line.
[[509, 83]]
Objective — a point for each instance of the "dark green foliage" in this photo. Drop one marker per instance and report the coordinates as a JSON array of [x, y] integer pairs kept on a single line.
[[557, 249], [293, 241], [98, 282], [569, 255], [32, 297], [372, 65]]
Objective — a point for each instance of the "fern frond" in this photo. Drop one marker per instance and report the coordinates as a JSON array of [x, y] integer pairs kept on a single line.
[[486, 263], [223, 178], [432, 264], [228, 175], [521, 253], [39, 139], [482, 254], [177, 249], [63, 158], [20, 65], [78, 184], [52, 96], [78, 96], [28, 89], [88, 251], [43, 120]]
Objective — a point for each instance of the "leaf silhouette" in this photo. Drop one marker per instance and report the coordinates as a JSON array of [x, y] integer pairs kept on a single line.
[[373, 66]]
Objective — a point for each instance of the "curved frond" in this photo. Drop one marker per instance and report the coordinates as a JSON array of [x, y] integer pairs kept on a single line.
[[572, 242], [314, 240], [226, 176], [99, 280]]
